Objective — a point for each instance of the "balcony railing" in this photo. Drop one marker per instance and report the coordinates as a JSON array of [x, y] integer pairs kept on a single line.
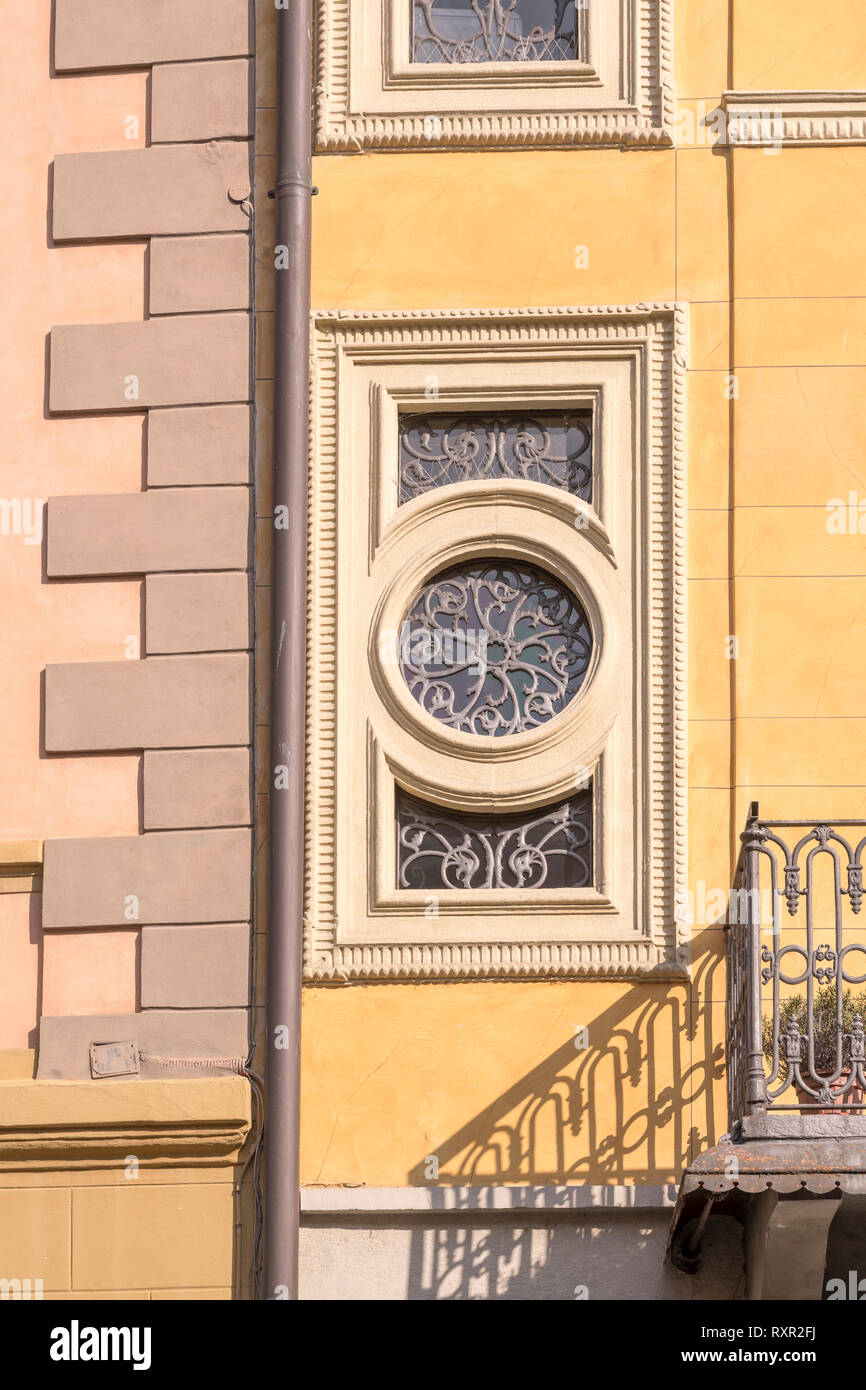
[[797, 969]]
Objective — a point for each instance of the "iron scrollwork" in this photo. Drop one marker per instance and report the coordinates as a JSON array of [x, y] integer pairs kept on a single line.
[[494, 31], [443, 849], [494, 648], [552, 447]]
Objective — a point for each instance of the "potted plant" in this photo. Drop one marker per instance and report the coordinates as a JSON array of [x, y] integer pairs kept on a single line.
[[792, 1009]]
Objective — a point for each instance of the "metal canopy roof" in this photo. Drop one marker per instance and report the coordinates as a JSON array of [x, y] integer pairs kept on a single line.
[[785, 1165]]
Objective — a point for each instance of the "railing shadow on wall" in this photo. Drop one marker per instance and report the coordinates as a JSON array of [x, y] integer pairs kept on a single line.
[[629, 1110]]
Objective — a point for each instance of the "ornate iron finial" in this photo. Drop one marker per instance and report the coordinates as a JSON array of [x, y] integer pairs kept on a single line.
[[793, 1041], [792, 888], [754, 834], [855, 886]]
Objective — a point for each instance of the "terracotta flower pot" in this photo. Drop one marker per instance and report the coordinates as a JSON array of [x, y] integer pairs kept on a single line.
[[853, 1096]]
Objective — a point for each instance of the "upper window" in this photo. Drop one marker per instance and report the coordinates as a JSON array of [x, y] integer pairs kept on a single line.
[[435, 73], [494, 31], [553, 447]]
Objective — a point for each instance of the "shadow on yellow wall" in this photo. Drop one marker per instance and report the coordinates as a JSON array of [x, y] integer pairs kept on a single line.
[[631, 1107]]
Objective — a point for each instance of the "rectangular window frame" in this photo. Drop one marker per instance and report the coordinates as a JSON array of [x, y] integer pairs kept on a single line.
[[371, 95], [369, 366]]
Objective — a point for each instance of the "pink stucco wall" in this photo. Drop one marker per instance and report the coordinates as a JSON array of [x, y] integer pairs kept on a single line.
[[42, 285]]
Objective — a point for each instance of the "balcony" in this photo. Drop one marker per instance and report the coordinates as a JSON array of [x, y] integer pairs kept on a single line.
[[792, 1168], [796, 974]]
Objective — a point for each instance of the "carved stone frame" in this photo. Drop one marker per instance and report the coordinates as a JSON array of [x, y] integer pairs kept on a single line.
[[625, 557], [371, 95]]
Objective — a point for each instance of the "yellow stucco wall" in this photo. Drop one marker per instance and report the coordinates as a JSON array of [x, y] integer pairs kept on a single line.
[[488, 1080], [767, 250], [485, 1077]]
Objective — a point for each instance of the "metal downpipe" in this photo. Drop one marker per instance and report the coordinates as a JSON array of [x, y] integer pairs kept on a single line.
[[288, 646]]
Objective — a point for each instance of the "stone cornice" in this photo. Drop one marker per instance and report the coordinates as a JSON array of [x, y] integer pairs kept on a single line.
[[99, 1124], [767, 119]]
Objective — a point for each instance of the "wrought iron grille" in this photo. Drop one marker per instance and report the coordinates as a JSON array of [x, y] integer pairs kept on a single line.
[[494, 31], [495, 648], [552, 447], [797, 969], [442, 849]]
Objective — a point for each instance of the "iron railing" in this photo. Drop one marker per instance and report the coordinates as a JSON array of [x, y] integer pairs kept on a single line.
[[796, 998]]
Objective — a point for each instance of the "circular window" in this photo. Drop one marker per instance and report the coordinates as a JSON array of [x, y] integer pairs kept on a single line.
[[495, 648]]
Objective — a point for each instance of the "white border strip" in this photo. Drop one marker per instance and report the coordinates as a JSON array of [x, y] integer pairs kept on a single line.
[[469, 1201]]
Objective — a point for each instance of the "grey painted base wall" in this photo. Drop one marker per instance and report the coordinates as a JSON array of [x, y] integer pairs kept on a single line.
[[619, 1255]]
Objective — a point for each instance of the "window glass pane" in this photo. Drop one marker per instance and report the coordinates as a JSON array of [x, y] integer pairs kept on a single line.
[[495, 648], [550, 847], [553, 447], [493, 31]]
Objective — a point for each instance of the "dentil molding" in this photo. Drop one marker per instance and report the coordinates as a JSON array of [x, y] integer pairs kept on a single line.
[[773, 119]]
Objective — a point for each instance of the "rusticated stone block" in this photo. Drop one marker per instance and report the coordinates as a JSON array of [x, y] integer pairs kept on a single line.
[[136, 33], [147, 532], [164, 190], [201, 101], [163, 702], [126, 880], [162, 361], [190, 275], [201, 967], [206, 1034], [206, 445], [197, 613], [196, 787], [177, 1242]]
